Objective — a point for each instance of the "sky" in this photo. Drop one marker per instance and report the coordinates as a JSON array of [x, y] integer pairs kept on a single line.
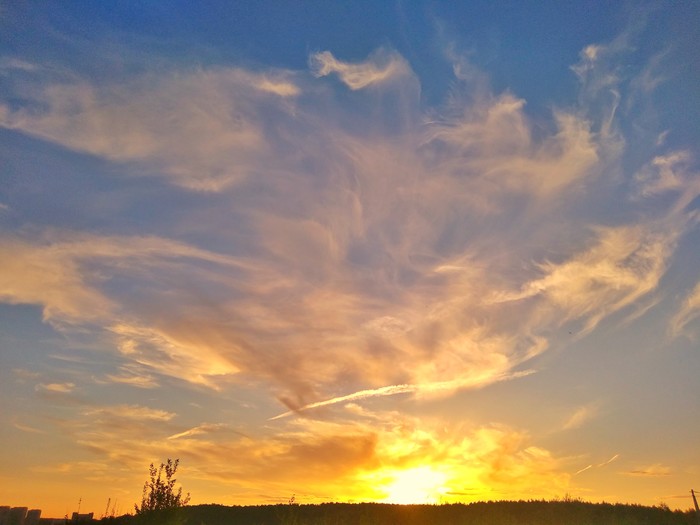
[[405, 252]]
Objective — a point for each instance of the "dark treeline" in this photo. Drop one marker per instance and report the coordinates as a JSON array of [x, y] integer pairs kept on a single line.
[[486, 513]]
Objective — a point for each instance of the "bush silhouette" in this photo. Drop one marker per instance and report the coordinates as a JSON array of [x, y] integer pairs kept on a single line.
[[160, 502]]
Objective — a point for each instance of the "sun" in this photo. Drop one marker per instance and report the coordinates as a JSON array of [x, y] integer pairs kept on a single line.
[[415, 485]]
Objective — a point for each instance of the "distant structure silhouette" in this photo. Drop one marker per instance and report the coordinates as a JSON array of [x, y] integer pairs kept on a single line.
[[14, 516], [81, 518], [33, 517]]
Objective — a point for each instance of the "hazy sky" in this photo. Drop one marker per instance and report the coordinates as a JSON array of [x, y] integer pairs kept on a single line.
[[349, 251]]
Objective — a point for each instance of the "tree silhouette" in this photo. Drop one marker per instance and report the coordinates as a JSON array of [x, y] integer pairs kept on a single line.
[[160, 501]]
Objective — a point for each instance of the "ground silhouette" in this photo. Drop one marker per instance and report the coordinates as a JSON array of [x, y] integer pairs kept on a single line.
[[566, 512]]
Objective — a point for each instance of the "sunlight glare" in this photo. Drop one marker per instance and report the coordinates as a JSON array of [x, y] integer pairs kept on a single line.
[[416, 485]]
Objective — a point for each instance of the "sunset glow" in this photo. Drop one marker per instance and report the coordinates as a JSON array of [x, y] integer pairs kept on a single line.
[[415, 485], [404, 252]]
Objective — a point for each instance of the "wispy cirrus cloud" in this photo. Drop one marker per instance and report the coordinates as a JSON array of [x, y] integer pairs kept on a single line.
[[130, 412], [653, 471], [27, 428], [581, 416], [493, 148], [432, 258], [55, 272], [206, 428], [56, 388], [623, 265], [132, 374], [382, 66], [202, 129], [688, 312], [669, 174]]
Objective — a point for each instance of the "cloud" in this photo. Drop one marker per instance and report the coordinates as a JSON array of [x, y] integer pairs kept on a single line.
[[401, 249], [129, 412], [381, 67], [622, 265], [64, 393], [668, 173], [491, 147], [653, 471], [202, 129], [34, 276], [11, 63], [581, 416], [317, 241], [687, 313], [56, 388], [203, 429], [358, 458], [53, 271], [27, 428], [22, 374], [133, 375], [174, 353], [419, 389]]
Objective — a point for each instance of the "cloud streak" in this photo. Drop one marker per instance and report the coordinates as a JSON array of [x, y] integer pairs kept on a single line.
[[581, 416], [688, 312]]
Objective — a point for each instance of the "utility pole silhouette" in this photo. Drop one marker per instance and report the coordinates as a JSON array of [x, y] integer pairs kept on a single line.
[[695, 502]]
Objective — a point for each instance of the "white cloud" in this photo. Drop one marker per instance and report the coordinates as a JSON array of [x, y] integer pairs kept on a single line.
[[381, 67], [201, 129], [687, 313], [27, 428], [130, 412], [492, 150], [653, 471], [11, 63], [53, 272], [581, 416], [132, 374], [671, 175], [664, 173], [622, 266], [172, 352], [204, 429], [424, 389], [368, 259], [56, 388]]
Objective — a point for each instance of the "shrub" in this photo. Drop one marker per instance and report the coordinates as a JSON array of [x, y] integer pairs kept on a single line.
[[160, 501]]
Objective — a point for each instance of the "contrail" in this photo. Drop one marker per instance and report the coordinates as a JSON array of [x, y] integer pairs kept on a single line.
[[584, 469], [610, 460], [404, 389], [599, 464], [362, 394]]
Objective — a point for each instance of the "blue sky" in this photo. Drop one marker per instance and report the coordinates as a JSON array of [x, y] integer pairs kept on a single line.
[[405, 252]]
